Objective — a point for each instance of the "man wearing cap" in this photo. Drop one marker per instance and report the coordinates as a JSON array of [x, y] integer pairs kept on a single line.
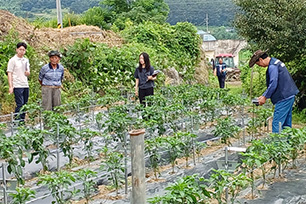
[[281, 88], [18, 70], [50, 78]]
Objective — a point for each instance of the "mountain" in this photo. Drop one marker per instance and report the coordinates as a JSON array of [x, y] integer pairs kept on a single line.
[[219, 12], [32, 8]]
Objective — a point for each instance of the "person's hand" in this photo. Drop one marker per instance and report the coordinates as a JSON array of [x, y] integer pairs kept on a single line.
[[136, 92], [262, 100], [27, 73], [151, 78], [11, 90]]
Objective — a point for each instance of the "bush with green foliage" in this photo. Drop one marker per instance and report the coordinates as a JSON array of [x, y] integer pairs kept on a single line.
[[178, 45], [102, 67]]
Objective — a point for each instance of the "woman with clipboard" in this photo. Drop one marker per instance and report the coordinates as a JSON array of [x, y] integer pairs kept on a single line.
[[145, 76]]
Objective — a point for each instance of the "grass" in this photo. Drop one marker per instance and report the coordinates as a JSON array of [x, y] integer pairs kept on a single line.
[[234, 87], [299, 117]]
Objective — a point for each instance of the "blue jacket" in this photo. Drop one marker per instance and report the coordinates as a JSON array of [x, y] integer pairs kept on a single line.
[[280, 85], [219, 73]]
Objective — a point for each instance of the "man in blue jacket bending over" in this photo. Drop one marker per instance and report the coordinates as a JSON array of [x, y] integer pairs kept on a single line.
[[281, 88]]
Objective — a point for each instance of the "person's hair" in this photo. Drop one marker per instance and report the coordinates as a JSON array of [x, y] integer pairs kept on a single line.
[[264, 56], [22, 44], [146, 61]]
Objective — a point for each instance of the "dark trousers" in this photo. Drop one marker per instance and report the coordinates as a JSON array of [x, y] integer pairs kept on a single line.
[[143, 93], [221, 80], [21, 98]]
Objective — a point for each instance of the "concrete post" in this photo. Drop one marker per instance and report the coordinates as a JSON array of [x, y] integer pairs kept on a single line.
[[138, 167], [59, 14]]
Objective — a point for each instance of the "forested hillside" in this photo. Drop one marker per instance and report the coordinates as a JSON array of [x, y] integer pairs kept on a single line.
[[220, 12], [27, 8]]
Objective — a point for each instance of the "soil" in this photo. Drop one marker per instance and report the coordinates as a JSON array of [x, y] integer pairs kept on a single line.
[[50, 38]]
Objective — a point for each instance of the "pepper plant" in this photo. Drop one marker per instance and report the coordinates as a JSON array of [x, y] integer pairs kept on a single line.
[[53, 118], [219, 181], [118, 122], [22, 195], [296, 140], [36, 137], [263, 113], [69, 135], [152, 148], [231, 101], [253, 160], [173, 112], [113, 164], [210, 109], [154, 116], [186, 144], [85, 176], [86, 136], [256, 156], [198, 148], [238, 182], [174, 149], [226, 129], [278, 149], [58, 183], [99, 120], [33, 112], [187, 190], [12, 152]]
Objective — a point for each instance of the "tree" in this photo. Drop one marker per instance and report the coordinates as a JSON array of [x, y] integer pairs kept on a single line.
[[277, 25], [117, 6], [97, 16], [143, 10]]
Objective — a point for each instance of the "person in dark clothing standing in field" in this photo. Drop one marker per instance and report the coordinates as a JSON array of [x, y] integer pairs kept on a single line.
[[220, 72], [281, 88], [50, 77], [144, 85]]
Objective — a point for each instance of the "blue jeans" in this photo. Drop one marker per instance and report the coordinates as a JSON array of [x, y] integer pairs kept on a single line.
[[283, 114], [21, 98]]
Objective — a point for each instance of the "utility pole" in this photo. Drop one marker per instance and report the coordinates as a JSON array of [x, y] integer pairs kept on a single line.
[[207, 22], [59, 14]]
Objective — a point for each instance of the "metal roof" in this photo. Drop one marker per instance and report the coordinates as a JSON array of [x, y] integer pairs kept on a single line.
[[206, 36]]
